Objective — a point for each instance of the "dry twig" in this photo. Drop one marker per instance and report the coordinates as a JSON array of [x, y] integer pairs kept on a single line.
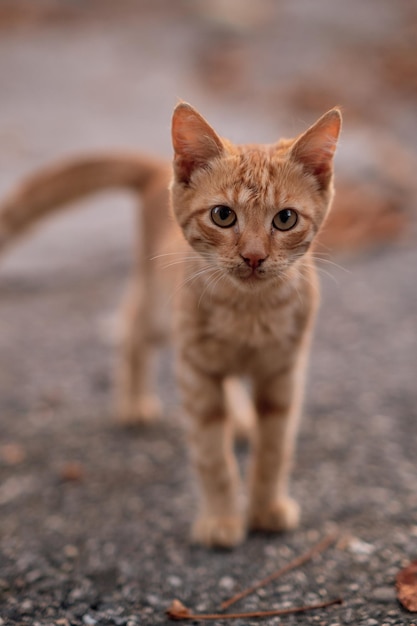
[[316, 549], [177, 611]]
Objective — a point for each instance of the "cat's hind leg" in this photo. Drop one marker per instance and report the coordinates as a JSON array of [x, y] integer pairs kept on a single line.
[[137, 400], [240, 408], [147, 311]]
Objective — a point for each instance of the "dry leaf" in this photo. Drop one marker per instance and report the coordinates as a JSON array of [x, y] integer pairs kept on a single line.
[[12, 454], [407, 587], [177, 610], [72, 472]]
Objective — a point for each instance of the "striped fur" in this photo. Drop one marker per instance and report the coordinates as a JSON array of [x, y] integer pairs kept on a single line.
[[245, 296]]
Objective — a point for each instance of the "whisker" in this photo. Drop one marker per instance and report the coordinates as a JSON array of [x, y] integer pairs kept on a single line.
[[158, 256], [212, 282], [181, 257], [181, 261], [300, 263], [320, 270], [175, 253], [185, 254], [329, 262], [193, 276]]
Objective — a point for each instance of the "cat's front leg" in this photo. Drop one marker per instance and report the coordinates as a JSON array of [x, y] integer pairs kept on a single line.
[[219, 521], [277, 401]]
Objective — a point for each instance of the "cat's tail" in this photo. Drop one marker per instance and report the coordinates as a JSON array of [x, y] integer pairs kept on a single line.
[[58, 185], [366, 216]]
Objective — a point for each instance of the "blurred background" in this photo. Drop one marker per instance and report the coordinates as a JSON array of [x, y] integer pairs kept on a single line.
[[85, 75], [91, 514]]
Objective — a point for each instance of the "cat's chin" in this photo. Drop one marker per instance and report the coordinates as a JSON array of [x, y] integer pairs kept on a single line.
[[253, 281]]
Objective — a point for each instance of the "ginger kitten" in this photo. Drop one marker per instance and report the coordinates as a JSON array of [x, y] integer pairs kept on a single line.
[[247, 306], [245, 221]]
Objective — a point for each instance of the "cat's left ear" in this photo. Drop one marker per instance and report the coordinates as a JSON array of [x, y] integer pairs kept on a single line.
[[195, 142], [316, 147]]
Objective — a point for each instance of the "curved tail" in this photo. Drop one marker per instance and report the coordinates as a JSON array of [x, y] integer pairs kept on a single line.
[[62, 183], [349, 228]]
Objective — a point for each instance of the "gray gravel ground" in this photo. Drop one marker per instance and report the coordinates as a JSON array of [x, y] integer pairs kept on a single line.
[[94, 519]]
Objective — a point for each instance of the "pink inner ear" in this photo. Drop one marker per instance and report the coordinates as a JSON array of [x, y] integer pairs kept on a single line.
[[316, 147], [195, 142]]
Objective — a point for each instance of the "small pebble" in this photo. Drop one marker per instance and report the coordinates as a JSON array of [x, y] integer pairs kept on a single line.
[[270, 551], [357, 546], [384, 594], [153, 600], [227, 583], [33, 576], [71, 551], [174, 581], [88, 620], [26, 606]]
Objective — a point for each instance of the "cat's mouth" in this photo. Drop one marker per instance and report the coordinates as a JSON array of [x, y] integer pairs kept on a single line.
[[248, 274]]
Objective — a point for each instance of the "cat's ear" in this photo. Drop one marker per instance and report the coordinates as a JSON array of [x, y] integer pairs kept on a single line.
[[195, 142], [316, 147]]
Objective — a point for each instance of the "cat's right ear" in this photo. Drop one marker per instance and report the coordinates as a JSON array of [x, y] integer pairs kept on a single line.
[[195, 142]]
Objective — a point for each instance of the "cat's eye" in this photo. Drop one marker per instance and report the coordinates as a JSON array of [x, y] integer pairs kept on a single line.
[[223, 216], [285, 219]]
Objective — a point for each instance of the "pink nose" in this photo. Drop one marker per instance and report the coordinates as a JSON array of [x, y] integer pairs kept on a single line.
[[253, 259]]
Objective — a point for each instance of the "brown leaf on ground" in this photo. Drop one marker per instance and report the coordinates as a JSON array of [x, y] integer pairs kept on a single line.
[[72, 472], [178, 611], [12, 454], [406, 585]]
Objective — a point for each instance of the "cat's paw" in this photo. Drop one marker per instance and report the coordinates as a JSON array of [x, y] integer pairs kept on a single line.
[[281, 515], [142, 410], [219, 531]]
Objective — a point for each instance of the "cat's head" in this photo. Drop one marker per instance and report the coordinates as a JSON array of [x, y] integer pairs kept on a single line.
[[251, 210]]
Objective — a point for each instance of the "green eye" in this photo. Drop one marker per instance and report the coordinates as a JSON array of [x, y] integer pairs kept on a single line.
[[285, 219], [223, 216]]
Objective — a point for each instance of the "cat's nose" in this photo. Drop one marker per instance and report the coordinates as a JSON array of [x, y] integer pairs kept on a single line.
[[253, 259]]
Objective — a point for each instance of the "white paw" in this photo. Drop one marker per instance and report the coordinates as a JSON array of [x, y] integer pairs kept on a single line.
[[218, 531], [284, 514]]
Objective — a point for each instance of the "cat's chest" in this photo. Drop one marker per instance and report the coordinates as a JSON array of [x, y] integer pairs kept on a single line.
[[238, 341], [250, 326], [234, 333]]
